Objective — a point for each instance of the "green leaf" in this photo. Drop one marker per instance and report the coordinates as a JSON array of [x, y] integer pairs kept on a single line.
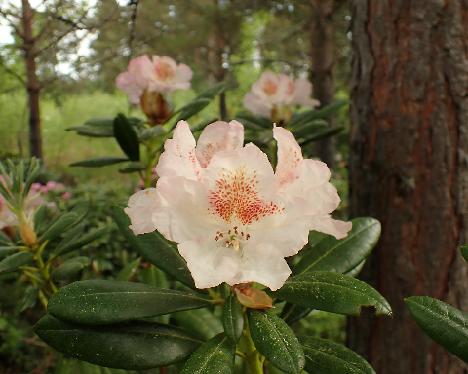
[[201, 323], [320, 134], [355, 271], [445, 324], [343, 255], [326, 356], [61, 224], [8, 250], [99, 162], [134, 346], [192, 108], [126, 137], [313, 114], [332, 292], [100, 122], [155, 249], [66, 246], [464, 251], [93, 132], [14, 261], [151, 133], [29, 298], [128, 271], [274, 339], [309, 128], [213, 91], [70, 268], [254, 122], [292, 313], [216, 356], [233, 319], [97, 302]]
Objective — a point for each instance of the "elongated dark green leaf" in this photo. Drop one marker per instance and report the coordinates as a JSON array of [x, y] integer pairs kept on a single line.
[[70, 245], [313, 114], [326, 356], [155, 249], [233, 319], [126, 137], [308, 128], [14, 261], [274, 339], [103, 302], [342, 255], [61, 224], [92, 131], [99, 162], [445, 324], [134, 346], [213, 91], [192, 108], [332, 292], [292, 313], [70, 268], [464, 251], [355, 271], [129, 270], [29, 298], [100, 122], [7, 250], [201, 323], [254, 122], [216, 356], [320, 134]]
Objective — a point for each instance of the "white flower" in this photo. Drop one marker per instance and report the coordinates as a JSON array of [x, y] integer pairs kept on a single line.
[[272, 92], [233, 218], [161, 74]]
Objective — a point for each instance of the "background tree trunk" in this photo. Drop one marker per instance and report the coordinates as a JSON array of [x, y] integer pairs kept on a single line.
[[322, 54], [409, 169], [33, 87]]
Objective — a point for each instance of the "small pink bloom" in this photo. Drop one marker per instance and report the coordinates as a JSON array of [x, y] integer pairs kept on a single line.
[[233, 217], [161, 74], [272, 92], [66, 195]]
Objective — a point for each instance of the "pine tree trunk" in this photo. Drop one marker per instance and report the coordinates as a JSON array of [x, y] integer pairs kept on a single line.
[[409, 146], [33, 87], [322, 54]]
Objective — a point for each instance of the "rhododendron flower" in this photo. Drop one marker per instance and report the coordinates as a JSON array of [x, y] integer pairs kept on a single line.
[[161, 74], [273, 95], [233, 217]]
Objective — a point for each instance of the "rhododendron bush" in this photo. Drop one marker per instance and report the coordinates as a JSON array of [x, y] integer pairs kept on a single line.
[[234, 226]]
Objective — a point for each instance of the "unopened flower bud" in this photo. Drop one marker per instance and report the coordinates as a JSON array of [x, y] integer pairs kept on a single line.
[[155, 107], [27, 233]]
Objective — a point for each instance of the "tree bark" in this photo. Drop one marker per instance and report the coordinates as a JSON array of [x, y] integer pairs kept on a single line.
[[33, 87], [409, 155], [322, 54]]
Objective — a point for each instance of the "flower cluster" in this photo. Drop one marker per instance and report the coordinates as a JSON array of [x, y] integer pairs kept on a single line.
[[147, 81], [233, 217], [273, 95]]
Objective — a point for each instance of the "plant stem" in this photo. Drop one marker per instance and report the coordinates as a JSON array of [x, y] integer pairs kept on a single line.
[[253, 359]]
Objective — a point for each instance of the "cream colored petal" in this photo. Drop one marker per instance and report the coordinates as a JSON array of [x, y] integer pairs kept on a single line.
[[328, 225], [141, 207], [216, 137], [259, 264], [289, 157], [210, 264], [178, 158]]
